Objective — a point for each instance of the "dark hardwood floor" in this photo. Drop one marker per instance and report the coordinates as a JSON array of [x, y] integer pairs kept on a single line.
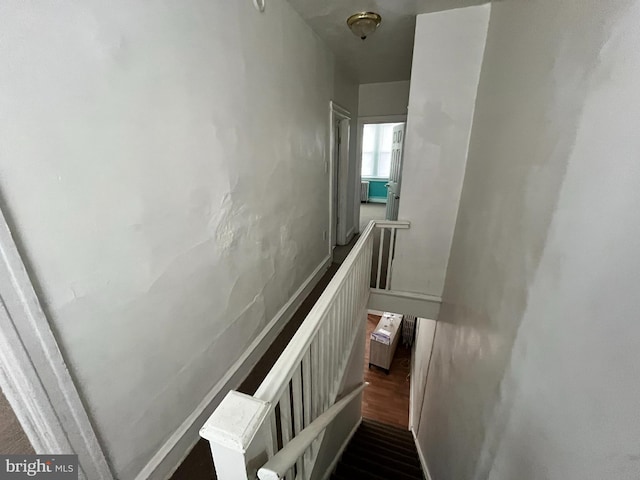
[[386, 399]]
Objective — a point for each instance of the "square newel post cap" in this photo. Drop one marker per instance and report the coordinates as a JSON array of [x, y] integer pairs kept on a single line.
[[236, 421]]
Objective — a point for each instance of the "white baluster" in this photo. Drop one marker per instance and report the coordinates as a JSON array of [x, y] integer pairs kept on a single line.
[[323, 368], [315, 378], [327, 359], [380, 250], [272, 435], [334, 351], [306, 404], [387, 283], [285, 423], [343, 322], [296, 391]]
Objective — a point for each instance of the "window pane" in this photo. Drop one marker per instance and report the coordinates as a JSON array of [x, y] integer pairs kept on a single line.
[[367, 165], [386, 137], [377, 142], [384, 164], [369, 138]]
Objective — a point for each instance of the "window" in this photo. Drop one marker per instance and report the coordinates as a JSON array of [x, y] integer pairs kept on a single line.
[[377, 140]]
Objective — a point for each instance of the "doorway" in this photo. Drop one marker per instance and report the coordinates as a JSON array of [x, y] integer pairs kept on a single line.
[[340, 127], [381, 143]]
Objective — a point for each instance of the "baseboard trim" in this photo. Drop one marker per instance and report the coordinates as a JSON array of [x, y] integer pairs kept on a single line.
[[169, 457], [350, 234], [423, 461], [343, 447]]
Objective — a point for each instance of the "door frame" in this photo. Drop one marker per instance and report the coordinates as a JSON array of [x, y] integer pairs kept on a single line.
[[33, 374], [361, 123], [338, 188]]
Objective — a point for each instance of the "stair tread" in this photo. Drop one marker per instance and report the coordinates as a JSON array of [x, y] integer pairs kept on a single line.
[[386, 426], [364, 438], [370, 438], [393, 433], [384, 452], [380, 452], [355, 472], [387, 430], [386, 463]]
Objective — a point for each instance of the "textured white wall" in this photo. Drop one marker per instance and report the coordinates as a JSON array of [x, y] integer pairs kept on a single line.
[[447, 57], [163, 165], [536, 354], [379, 99]]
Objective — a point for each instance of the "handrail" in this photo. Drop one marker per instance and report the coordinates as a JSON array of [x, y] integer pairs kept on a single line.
[[283, 424], [399, 224], [278, 466], [278, 377]]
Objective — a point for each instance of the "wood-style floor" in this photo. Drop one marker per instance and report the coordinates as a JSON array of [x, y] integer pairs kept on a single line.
[[386, 399]]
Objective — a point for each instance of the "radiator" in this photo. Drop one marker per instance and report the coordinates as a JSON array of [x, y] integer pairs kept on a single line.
[[364, 191]]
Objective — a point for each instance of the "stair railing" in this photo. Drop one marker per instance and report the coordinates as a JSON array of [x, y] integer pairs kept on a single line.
[[282, 462], [383, 258], [247, 432]]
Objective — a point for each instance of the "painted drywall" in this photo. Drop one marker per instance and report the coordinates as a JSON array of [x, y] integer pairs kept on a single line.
[[380, 99], [13, 440], [535, 362], [446, 69], [163, 168]]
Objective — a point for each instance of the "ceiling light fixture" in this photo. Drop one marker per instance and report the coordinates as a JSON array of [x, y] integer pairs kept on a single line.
[[364, 24]]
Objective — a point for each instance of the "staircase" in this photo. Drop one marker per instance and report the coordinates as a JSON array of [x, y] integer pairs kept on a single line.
[[279, 432], [379, 452]]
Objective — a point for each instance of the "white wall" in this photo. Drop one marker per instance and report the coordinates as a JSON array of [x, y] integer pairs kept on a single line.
[[163, 165], [447, 57], [379, 99], [536, 355]]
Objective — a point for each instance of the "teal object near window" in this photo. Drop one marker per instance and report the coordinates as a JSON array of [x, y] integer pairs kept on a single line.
[[377, 189]]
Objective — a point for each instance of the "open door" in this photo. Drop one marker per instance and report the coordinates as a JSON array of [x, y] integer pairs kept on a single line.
[[395, 175], [339, 175]]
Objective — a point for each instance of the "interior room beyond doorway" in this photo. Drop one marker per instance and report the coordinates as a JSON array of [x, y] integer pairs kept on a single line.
[[386, 399], [377, 154]]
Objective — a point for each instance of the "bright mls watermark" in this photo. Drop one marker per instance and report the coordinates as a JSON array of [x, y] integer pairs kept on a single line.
[[45, 467]]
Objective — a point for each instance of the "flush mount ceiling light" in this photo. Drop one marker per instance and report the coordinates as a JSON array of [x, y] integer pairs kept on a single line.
[[364, 24]]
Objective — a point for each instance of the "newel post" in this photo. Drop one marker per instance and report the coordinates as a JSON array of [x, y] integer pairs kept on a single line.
[[237, 434]]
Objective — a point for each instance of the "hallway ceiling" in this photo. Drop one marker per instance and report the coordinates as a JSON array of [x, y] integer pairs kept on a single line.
[[386, 55]]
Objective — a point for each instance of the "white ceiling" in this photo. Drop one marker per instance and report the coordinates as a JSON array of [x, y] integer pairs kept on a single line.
[[386, 55]]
